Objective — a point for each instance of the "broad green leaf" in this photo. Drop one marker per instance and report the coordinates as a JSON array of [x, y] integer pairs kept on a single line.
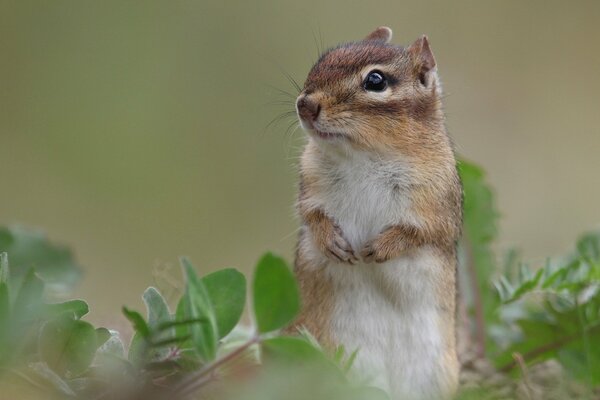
[[31, 249], [78, 308], [68, 345], [138, 349], [197, 305], [275, 293], [227, 291], [29, 298], [102, 336], [297, 351]]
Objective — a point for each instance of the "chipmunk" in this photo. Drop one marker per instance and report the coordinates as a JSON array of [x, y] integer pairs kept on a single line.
[[381, 208]]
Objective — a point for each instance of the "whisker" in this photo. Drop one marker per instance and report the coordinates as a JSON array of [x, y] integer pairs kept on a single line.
[[279, 118], [283, 92], [321, 42]]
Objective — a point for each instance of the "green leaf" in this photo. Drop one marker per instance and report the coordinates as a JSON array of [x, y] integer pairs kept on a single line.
[[480, 230], [4, 270], [102, 336], [350, 362], [276, 297], [371, 393], [197, 305], [227, 291], [29, 298], [158, 310], [4, 320], [68, 345], [31, 249], [138, 349], [78, 308], [527, 286], [291, 348], [139, 324]]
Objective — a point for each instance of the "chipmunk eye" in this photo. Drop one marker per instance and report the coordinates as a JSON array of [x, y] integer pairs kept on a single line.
[[375, 81]]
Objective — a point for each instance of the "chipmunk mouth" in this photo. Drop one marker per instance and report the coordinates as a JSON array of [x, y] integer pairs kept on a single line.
[[328, 135]]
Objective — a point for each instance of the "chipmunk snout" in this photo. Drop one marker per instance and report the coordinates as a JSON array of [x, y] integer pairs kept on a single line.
[[308, 108]]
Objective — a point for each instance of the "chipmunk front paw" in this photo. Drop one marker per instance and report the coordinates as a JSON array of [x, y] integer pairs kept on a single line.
[[335, 246], [383, 247]]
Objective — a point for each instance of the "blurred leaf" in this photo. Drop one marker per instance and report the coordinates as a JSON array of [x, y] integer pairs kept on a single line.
[[139, 324], [350, 362], [113, 345], [145, 348], [4, 320], [291, 349], [102, 336], [480, 230], [158, 310], [371, 393], [28, 248], [78, 308], [4, 270], [197, 306], [29, 298], [140, 339], [276, 297], [68, 345], [588, 247], [227, 291], [41, 369], [138, 349]]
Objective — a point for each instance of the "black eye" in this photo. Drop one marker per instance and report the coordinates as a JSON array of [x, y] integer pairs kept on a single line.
[[375, 82]]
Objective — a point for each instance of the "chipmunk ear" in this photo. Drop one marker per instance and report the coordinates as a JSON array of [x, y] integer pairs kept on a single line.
[[424, 61], [381, 34]]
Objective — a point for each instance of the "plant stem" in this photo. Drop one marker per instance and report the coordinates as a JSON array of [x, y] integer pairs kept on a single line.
[[547, 347], [521, 362], [195, 381]]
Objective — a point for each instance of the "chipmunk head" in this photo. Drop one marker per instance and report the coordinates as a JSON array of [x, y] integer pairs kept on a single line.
[[372, 94]]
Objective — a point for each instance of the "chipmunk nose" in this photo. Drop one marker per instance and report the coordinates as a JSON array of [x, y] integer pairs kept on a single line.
[[308, 108]]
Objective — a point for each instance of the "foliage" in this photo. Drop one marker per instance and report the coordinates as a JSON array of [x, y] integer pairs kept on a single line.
[[30, 249], [480, 231], [559, 311], [552, 311], [199, 346], [172, 354]]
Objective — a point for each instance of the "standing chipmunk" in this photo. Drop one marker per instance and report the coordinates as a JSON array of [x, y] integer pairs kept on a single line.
[[381, 208]]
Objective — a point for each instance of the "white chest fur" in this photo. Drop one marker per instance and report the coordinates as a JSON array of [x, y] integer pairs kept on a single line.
[[387, 311]]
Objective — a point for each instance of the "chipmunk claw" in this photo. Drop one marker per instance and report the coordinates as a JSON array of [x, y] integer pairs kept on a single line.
[[368, 253], [339, 249]]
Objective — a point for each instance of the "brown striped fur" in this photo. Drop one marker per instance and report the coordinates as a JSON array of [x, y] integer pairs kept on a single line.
[[405, 125]]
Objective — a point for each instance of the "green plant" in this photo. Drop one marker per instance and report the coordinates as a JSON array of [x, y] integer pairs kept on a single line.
[[172, 354], [520, 317]]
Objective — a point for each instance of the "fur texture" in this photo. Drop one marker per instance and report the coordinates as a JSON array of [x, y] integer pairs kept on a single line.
[[381, 208]]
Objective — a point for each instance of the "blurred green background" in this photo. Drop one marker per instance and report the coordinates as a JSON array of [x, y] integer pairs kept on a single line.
[[136, 131]]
